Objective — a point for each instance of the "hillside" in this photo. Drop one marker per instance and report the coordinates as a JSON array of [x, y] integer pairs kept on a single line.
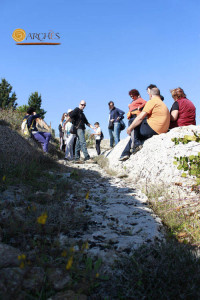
[[72, 231]]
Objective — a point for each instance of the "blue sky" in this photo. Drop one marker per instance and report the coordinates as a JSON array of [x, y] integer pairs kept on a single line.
[[108, 47]]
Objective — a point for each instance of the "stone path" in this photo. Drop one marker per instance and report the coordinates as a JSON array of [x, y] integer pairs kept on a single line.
[[120, 220]]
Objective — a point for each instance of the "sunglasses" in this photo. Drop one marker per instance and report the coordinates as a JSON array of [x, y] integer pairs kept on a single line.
[[83, 104]]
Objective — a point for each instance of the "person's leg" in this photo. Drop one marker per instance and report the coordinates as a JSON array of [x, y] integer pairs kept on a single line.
[[126, 152], [74, 145], [47, 135], [98, 146], [111, 137], [142, 133], [77, 148], [82, 141], [69, 147], [43, 138], [146, 131], [137, 137], [132, 132], [117, 132]]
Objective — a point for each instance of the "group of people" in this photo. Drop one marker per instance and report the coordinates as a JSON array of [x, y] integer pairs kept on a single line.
[[153, 117], [145, 119], [72, 134]]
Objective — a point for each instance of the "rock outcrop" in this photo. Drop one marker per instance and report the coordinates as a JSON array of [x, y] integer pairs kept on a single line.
[[153, 164]]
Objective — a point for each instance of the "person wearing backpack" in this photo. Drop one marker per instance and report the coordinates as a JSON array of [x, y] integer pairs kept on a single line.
[[41, 137], [114, 126], [98, 137]]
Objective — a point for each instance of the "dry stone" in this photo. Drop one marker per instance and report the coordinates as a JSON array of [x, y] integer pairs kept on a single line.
[[8, 256], [153, 164]]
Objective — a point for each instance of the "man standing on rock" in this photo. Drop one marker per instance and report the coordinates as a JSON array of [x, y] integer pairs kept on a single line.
[[115, 116], [153, 120], [79, 120]]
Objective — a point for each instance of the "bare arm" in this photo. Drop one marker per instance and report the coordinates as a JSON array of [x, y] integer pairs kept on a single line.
[[138, 120], [89, 125], [174, 115]]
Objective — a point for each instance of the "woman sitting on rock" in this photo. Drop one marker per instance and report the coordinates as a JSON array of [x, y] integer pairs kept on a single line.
[[183, 111]]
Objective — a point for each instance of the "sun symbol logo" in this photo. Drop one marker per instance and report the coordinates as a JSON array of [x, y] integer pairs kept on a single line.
[[19, 35]]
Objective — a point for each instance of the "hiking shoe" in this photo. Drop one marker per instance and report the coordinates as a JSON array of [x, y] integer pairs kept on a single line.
[[78, 161], [123, 158], [131, 150], [90, 161], [87, 158], [137, 148]]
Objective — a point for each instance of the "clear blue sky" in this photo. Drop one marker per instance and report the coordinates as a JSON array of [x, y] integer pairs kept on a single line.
[[108, 47]]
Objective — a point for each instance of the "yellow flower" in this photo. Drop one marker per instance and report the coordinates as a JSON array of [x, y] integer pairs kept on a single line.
[[69, 263], [64, 253], [42, 219], [87, 195], [22, 257], [97, 275], [4, 178], [22, 265], [85, 246]]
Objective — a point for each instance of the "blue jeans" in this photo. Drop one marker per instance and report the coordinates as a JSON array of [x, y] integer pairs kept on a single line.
[[81, 145], [111, 137], [69, 146], [142, 133], [132, 132], [115, 134], [126, 151]]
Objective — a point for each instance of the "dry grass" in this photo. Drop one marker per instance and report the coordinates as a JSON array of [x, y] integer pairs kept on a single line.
[[180, 215]]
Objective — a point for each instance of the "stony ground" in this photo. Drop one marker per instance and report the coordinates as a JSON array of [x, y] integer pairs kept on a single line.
[[120, 220], [105, 212], [98, 215]]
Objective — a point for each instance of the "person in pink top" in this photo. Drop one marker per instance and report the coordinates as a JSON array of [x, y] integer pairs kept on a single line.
[[183, 111], [135, 108]]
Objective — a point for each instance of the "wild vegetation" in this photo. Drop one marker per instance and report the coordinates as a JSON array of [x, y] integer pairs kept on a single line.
[[41, 214]]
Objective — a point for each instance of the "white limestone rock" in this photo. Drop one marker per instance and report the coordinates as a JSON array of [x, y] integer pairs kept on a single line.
[[154, 162]]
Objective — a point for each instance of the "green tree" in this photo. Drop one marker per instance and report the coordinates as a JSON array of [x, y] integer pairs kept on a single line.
[[35, 101], [7, 98], [22, 108]]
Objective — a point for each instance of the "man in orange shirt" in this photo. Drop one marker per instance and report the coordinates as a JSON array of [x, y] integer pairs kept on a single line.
[[153, 120]]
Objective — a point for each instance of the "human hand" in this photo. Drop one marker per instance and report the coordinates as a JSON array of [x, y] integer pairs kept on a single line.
[[129, 131]]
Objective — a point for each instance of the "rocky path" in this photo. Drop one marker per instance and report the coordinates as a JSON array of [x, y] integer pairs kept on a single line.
[[119, 218], [83, 206]]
